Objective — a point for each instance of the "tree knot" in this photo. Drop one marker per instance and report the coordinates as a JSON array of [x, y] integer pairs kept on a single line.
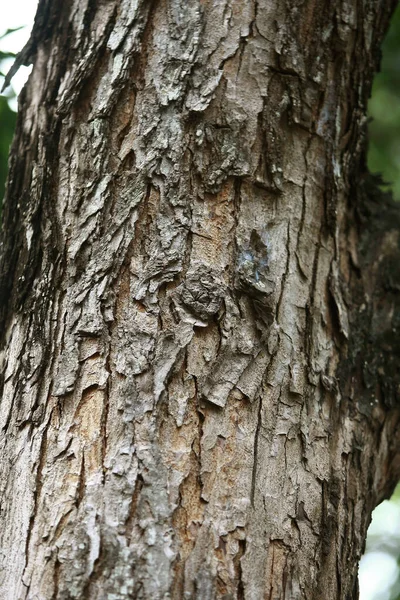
[[202, 292]]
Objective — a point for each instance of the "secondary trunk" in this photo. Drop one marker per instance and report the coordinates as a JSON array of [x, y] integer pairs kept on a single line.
[[199, 295]]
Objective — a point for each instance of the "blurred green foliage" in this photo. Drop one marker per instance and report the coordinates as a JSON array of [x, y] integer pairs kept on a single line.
[[384, 158], [7, 125], [384, 111], [7, 118]]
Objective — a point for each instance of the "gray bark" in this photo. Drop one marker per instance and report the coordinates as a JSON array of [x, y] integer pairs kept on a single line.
[[198, 304]]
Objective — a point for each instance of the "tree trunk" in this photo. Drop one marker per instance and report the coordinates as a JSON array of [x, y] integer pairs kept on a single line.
[[199, 296]]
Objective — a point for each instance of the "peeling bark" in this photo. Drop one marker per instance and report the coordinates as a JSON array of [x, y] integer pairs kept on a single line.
[[199, 304]]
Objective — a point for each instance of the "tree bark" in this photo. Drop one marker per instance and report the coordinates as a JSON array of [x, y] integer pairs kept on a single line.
[[199, 303]]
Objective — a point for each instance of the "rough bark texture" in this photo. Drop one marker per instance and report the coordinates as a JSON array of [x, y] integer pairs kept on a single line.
[[199, 298]]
